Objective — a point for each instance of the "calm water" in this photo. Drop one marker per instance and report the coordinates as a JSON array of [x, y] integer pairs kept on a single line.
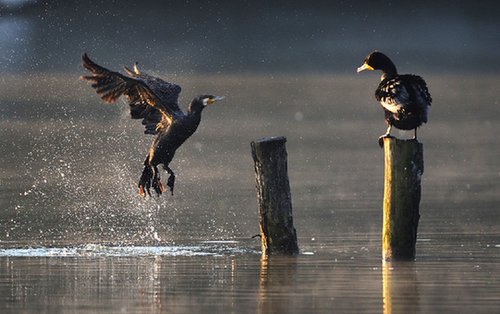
[[75, 236], [334, 274]]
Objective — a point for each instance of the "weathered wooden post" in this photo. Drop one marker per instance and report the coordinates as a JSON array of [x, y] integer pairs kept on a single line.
[[404, 166], [277, 233]]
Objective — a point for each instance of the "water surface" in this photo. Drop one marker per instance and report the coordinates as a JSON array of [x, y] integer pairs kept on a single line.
[[75, 236]]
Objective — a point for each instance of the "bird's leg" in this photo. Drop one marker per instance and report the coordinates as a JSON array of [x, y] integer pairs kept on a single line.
[[415, 137], [157, 186], [387, 134], [171, 179]]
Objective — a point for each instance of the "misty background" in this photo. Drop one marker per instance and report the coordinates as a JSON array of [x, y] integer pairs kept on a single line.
[[71, 164], [249, 36]]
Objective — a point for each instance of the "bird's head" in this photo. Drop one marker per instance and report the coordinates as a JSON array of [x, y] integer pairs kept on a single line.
[[200, 102], [378, 61]]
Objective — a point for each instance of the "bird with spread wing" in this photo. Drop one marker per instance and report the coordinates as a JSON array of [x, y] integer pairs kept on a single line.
[[155, 101]]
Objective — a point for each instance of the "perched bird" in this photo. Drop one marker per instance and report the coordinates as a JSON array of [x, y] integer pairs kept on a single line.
[[155, 102], [404, 98]]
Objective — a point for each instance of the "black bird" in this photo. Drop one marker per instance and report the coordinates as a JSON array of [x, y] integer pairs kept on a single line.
[[155, 102], [404, 98]]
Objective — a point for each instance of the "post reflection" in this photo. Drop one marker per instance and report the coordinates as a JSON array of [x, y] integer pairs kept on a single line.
[[400, 287], [277, 277]]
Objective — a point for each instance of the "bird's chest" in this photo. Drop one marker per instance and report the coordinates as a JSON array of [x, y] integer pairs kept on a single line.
[[179, 132], [185, 128]]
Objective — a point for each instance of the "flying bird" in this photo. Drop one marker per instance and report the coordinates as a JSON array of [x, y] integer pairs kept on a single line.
[[404, 97], [155, 101]]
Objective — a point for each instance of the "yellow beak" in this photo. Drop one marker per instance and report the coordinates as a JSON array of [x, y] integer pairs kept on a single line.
[[365, 66], [212, 100]]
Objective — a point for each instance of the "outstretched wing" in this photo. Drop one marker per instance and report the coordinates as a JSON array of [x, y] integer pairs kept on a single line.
[[152, 119], [168, 93], [150, 98]]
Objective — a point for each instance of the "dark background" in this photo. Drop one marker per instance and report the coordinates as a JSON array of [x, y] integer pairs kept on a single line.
[[250, 36]]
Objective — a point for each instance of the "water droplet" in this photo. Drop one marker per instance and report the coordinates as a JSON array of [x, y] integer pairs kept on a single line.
[[299, 116]]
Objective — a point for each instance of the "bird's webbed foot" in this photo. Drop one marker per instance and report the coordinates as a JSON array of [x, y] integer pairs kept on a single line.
[[381, 139], [157, 185], [145, 181], [386, 135], [150, 178]]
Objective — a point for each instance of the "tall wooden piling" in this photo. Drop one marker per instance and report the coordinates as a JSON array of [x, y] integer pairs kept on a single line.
[[404, 166], [277, 233]]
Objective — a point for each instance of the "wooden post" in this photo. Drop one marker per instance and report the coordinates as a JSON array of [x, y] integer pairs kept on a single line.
[[404, 166], [277, 233]]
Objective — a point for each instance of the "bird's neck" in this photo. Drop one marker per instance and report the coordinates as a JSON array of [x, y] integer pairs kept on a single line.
[[389, 71], [194, 114]]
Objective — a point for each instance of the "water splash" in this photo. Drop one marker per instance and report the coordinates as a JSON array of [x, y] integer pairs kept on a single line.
[[87, 170], [205, 248]]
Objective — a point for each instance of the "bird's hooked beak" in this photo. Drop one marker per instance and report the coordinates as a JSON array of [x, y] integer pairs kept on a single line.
[[214, 99], [365, 66]]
